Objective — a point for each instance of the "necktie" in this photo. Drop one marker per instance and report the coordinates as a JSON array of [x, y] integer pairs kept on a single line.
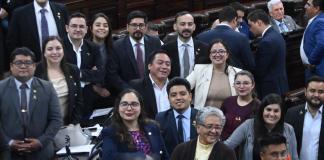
[[180, 128], [139, 59], [282, 27], [186, 64], [44, 25], [23, 106]]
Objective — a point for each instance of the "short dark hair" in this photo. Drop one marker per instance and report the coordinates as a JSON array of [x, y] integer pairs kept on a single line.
[[22, 51], [178, 81], [154, 53], [271, 139], [259, 14], [76, 15], [238, 6], [319, 3], [152, 26], [227, 14], [314, 79], [179, 14], [136, 14]]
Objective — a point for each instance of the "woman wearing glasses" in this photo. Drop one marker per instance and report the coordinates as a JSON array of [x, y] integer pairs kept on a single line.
[[212, 82], [131, 135], [269, 119], [241, 107], [209, 123]]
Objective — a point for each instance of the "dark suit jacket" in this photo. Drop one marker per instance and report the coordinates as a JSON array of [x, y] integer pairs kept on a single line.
[[169, 128], [187, 151], [124, 57], [44, 118], [75, 100], [270, 58], [23, 29], [241, 56], [113, 149], [145, 88], [90, 57], [171, 47], [295, 116]]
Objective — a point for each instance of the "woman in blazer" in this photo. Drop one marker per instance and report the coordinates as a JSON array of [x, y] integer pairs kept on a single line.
[[213, 82], [131, 135]]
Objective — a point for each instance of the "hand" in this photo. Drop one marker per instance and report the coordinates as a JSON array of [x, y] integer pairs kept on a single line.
[[17, 145], [103, 92], [32, 144], [3, 13]]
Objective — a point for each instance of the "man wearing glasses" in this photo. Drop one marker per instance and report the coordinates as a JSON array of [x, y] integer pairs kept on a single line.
[[131, 52], [29, 111]]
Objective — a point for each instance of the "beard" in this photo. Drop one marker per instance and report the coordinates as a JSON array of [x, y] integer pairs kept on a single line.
[[311, 103], [185, 34], [137, 35]]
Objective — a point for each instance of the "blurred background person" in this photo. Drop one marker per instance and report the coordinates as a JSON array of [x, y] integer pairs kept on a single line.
[[269, 119], [241, 107], [209, 123], [130, 133], [212, 82]]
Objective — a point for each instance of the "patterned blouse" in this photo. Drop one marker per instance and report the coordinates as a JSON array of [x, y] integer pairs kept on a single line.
[[141, 142]]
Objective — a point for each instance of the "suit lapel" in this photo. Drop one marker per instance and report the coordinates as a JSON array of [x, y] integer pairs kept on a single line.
[[33, 96], [174, 55], [57, 17], [173, 125], [130, 53], [32, 22], [148, 89], [15, 95], [193, 132]]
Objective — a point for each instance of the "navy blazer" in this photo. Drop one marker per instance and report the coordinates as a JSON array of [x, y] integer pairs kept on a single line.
[[113, 149], [200, 50], [270, 58], [314, 43], [241, 55], [295, 116], [23, 29], [169, 128], [124, 57], [75, 100]]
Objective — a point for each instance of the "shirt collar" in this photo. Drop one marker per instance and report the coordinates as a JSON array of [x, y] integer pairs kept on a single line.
[[18, 83], [154, 84], [190, 42], [186, 113], [80, 48], [278, 22], [319, 110], [224, 24], [38, 7], [265, 30], [133, 42]]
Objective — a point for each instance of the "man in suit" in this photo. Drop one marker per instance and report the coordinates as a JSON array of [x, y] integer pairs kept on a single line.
[[44, 18], [29, 111], [86, 56], [312, 44], [308, 121], [177, 123], [132, 52], [240, 51], [242, 25], [270, 57], [185, 51], [280, 22], [153, 86]]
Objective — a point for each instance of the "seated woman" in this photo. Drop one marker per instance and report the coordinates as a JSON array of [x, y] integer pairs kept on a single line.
[[209, 123], [241, 107], [269, 119], [213, 82], [65, 78], [131, 135]]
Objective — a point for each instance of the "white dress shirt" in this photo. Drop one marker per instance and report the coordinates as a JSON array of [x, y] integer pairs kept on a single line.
[[133, 42], [191, 52], [161, 96], [311, 133], [185, 123], [52, 29]]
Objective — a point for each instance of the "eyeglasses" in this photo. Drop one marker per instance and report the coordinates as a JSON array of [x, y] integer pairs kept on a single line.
[[19, 63], [220, 52], [244, 83], [126, 104], [211, 127], [135, 26]]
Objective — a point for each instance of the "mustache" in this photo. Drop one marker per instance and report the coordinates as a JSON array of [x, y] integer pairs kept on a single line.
[[186, 30]]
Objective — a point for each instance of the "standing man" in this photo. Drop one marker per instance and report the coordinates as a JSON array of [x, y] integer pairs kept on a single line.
[[270, 58], [86, 56], [307, 120], [279, 21], [153, 87], [31, 24], [184, 51], [312, 44], [132, 52], [177, 123], [273, 147], [29, 111], [241, 55]]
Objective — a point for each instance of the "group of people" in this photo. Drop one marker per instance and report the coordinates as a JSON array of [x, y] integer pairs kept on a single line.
[[204, 97]]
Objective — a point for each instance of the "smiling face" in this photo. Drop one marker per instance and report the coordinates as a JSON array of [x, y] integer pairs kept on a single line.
[[129, 107], [271, 115], [136, 28], [77, 28], [277, 11], [210, 131], [180, 98], [314, 94], [160, 67], [243, 85], [100, 28], [53, 52], [22, 67], [218, 54]]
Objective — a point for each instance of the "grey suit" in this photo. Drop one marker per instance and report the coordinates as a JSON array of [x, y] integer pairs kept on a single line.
[[44, 118], [289, 22]]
